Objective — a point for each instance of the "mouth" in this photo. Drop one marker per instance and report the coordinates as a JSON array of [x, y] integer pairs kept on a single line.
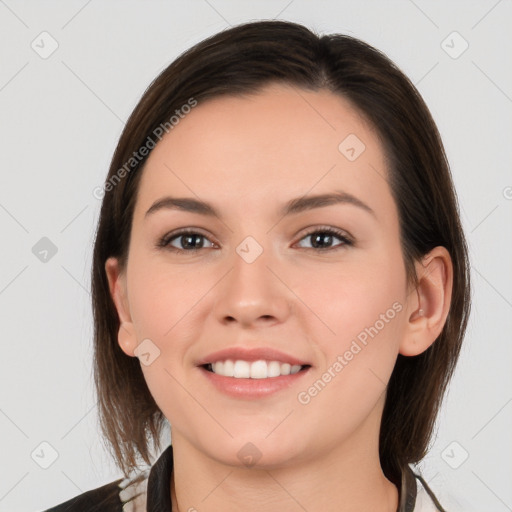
[[260, 369]]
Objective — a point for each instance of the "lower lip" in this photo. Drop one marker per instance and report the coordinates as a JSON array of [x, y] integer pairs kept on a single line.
[[252, 388]]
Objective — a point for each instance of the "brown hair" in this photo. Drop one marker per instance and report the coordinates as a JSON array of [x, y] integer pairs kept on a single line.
[[239, 61]]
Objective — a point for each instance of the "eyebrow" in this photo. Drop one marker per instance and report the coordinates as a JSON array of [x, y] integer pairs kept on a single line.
[[292, 207]]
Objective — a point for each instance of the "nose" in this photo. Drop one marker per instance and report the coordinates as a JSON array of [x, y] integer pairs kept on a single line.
[[253, 294]]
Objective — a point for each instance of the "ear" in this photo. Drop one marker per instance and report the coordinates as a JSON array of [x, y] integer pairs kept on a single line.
[[429, 303], [117, 283]]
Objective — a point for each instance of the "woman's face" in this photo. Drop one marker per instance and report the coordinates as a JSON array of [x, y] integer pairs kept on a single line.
[[264, 277]]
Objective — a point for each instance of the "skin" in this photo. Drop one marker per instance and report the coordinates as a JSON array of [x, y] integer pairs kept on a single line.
[[248, 156]]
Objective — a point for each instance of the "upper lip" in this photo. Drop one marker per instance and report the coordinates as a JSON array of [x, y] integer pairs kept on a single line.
[[251, 354]]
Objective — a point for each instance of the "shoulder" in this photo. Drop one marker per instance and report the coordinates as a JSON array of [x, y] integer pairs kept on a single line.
[[102, 499], [123, 495], [128, 494], [415, 494], [426, 500]]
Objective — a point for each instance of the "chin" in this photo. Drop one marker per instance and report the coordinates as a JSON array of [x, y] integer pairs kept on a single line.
[[256, 452]]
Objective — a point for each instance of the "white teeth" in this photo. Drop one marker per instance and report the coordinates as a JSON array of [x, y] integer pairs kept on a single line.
[[229, 368], [260, 369], [242, 370], [295, 368], [274, 369], [285, 369], [218, 367]]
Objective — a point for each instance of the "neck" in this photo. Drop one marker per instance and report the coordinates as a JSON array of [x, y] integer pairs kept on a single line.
[[345, 477]]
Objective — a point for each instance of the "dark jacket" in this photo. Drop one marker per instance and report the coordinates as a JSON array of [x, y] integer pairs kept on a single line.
[[151, 492]]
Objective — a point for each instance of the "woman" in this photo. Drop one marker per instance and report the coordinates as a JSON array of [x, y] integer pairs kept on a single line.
[[281, 274]]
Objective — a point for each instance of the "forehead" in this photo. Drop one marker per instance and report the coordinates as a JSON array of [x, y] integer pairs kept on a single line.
[[281, 142]]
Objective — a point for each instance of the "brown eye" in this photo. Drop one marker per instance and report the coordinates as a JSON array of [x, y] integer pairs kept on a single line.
[[321, 239], [186, 241]]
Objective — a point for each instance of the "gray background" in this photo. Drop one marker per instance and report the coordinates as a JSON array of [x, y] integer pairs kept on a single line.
[[61, 117]]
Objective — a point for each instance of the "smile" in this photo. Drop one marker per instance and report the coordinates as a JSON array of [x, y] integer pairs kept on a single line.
[[261, 369]]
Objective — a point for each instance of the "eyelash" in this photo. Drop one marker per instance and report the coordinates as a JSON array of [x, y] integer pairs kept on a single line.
[[341, 235]]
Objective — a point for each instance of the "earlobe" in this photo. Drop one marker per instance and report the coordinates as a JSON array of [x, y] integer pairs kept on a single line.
[[429, 303], [126, 337]]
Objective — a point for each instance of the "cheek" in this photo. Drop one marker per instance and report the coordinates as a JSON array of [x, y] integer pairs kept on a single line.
[[166, 305], [163, 300], [169, 308], [362, 304], [366, 312], [352, 297]]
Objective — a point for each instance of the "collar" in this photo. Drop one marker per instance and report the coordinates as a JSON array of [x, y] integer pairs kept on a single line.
[[159, 486]]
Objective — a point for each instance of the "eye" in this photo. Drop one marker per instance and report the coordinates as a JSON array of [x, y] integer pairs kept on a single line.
[[189, 240], [186, 240], [321, 238]]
